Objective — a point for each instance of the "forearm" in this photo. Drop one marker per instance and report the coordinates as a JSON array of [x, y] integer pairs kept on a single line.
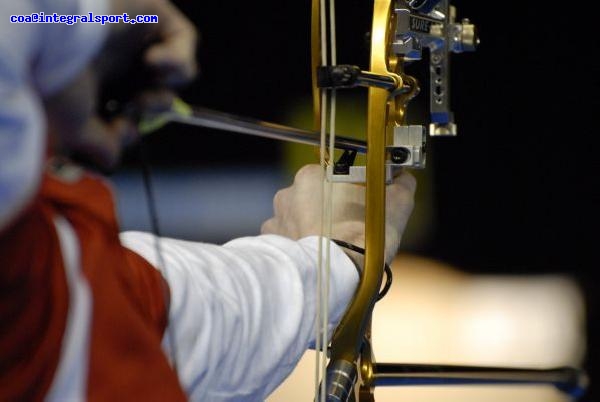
[[246, 309]]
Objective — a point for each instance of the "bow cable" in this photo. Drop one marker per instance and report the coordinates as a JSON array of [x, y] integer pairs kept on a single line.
[[327, 151], [320, 347]]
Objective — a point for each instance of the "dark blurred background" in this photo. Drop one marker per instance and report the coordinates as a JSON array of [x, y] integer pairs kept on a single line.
[[515, 193]]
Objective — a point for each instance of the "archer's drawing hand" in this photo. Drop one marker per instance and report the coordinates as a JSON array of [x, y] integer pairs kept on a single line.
[[167, 49], [297, 209]]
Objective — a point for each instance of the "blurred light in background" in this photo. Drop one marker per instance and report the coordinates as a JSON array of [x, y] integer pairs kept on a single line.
[[436, 314]]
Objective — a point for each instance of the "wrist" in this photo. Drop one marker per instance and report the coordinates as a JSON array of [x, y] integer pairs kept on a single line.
[[355, 253], [357, 259]]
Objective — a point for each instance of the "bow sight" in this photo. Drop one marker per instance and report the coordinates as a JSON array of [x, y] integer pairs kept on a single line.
[[418, 25]]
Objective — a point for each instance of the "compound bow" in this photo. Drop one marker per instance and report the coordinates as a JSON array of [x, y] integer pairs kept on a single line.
[[401, 30]]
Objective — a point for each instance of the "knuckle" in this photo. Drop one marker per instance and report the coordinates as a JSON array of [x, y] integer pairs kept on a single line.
[[307, 172], [405, 183], [267, 227], [264, 228], [409, 181], [278, 200], [401, 195]]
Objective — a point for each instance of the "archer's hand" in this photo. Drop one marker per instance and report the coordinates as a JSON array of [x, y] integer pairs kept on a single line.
[[167, 49], [298, 209]]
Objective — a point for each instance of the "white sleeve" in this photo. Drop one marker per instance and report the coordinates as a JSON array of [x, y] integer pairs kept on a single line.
[[36, 60], [242, 314]]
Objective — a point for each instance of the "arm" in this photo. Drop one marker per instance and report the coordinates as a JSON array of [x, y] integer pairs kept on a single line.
[[242, 315], [247, 309]]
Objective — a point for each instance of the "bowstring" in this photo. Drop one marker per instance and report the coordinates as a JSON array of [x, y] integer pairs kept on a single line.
[[322, 160], [327, 153]]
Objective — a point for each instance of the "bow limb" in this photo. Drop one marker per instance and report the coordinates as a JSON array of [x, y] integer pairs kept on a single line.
[[315, 59], [348, 339]]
